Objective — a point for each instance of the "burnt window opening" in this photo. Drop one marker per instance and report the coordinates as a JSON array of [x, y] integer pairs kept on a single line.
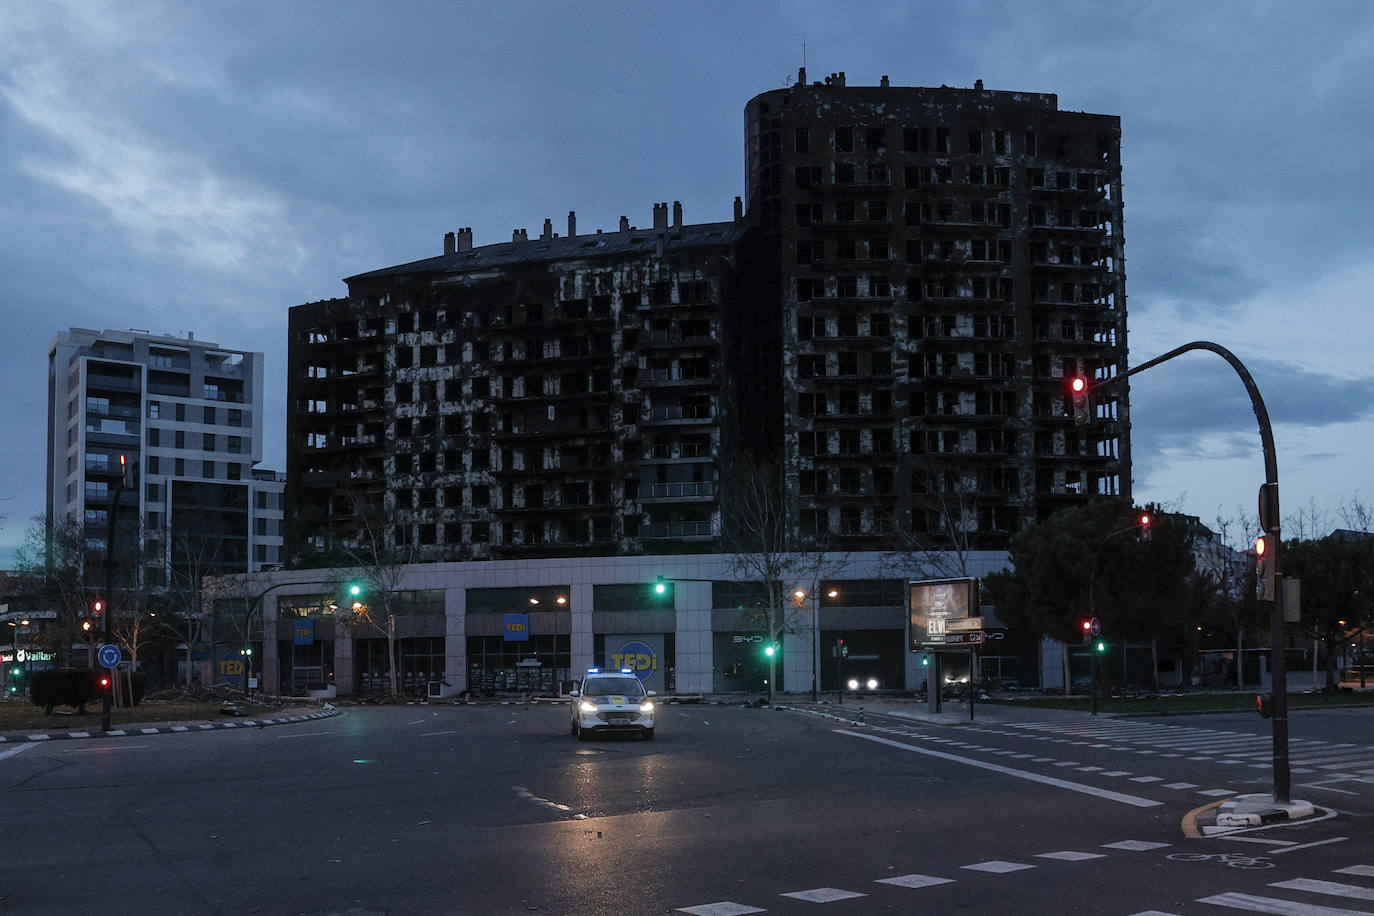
[[844, 139], [801, 140], [975, 140]]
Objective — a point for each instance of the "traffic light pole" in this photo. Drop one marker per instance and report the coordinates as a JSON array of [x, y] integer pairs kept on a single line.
[[1269, 521], [106, 695]]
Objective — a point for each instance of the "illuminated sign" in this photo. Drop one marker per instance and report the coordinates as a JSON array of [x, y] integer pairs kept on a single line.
[[940, 608], [638, 657], [517, 628]]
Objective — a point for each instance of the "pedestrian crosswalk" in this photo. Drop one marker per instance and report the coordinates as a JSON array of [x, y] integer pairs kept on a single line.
[[1300, 896], [1194, 743], [921, 882], [1325, 894]]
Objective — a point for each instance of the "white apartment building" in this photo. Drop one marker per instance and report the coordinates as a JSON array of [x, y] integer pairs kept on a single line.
[[186, 417]]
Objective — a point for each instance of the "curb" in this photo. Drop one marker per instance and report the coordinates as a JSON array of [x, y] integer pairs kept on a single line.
[[328, 712], [1258, 810]]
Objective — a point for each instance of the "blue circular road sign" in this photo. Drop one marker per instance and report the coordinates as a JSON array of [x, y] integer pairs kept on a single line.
[[109, 656]]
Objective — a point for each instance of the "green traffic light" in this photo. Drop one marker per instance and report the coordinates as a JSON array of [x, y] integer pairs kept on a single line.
[[660, 587], [355, 590], [770, 650], [1101, 646]]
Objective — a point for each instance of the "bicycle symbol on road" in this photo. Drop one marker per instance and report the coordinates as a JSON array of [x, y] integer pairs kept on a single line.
[[1230, 859]]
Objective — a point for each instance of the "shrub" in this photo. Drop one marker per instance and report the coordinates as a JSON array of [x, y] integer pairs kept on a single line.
[[73, 687]]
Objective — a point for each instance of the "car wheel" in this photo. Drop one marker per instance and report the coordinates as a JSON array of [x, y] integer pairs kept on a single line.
[[648, 734], [581, 732]]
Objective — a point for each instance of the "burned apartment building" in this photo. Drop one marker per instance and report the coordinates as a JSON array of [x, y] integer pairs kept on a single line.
[[541, 396], [944, 259], [893, 320]]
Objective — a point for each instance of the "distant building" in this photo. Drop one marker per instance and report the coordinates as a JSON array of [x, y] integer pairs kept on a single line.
[[187, 414]]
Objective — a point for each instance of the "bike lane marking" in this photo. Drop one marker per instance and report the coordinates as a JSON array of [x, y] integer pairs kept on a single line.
[[1107, 794]]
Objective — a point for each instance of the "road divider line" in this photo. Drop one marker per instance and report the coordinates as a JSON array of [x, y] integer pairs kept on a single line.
[[17, 749], [1133, 800]]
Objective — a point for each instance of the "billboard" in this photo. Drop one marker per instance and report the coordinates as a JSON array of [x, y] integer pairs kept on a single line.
[[943, 612]]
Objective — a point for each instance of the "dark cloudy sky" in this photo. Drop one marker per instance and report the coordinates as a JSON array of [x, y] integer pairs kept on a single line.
[[204, 166]]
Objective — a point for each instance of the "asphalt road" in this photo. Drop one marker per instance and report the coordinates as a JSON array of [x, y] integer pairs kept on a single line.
[[732, 810]]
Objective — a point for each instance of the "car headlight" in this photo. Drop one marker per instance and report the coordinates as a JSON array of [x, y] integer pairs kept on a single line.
[[646, 706], [586, 706], [853, 684], [873, 683]]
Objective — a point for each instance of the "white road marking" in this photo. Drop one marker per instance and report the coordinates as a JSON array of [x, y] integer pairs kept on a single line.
[[1330, 888], [1276, 906], [17, 749], [1069, 855], [824, 895], [724, 908], [915, 881], [1295, 847], [1133, 800], [997, 867]]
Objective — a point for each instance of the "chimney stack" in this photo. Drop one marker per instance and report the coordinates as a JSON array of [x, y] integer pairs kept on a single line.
[[465, 239], [449, 243], [677, 214], [661, 215], [519, 235], [548, 230], [739, 210], [624, 224], [572, 223]]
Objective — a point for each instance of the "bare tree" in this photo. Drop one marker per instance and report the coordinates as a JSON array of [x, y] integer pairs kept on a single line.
[[380, 561], [954, 495], [765, 551], [54, 567]]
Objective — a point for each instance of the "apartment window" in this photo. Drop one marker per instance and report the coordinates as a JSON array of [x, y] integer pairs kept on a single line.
[[154, 437], [975, 140], [848, 363], [180, 413], [850, 481], [210, 416], [812, 483], [179, 467], [153, 408], [208, 442], [810, 443], [808, 252], [808, 214], [235, 417], [811, 365], [844, 173], [809, 288], [844, 211], [801, 138], [911, 140], [882, 480], [844, 139], [180, 438], [811, 404]]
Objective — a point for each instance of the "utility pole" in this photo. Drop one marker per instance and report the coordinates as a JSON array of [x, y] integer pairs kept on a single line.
[[106, 695]]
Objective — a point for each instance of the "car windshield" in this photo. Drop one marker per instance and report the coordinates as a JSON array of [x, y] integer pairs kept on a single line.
[[609, 686]]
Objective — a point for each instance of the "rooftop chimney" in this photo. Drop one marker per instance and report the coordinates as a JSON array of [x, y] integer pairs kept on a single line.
[[548, 230], [572, 223], [739, 210], [624, 224], [801, 76], [519, 235], [465, 239], [677, 214], [449, 243], [661, 215], [884, 81]]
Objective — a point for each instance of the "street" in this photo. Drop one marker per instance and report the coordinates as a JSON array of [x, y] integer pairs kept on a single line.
[[732, 810]]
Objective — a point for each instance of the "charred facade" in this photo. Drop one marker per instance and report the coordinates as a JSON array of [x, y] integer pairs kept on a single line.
[[945, 260], [892, 324], [559, 395]]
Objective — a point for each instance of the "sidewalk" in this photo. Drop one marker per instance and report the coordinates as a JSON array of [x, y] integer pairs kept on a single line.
[[277, 717]]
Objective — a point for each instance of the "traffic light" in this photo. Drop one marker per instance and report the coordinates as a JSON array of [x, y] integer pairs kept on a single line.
[[1078, 393], [1085, 626], [1144, 524], [97, 608], [1264, 705], [1100, 647], [1264, 569], [771, 649], [104, 682], [660, 586]]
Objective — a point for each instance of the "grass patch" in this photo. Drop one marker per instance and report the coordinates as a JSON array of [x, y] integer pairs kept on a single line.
[[16, 715], [1184, 703]]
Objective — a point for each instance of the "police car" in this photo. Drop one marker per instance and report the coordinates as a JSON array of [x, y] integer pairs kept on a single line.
[[612, 701]]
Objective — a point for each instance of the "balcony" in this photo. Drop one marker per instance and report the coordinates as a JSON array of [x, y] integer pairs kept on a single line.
[[689, 491], [675, 530]]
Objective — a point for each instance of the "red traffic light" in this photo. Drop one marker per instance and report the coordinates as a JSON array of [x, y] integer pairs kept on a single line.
[[1261, 546], [1144, 520], [104, 682], [1087, 625], [1264, 705], [98, 606], [1078, 394]]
